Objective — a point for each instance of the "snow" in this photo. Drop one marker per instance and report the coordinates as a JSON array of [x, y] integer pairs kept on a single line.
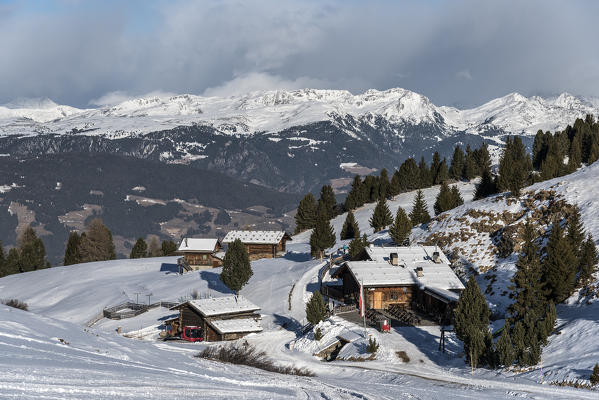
[[223, 305], [274, 111], [236, 325], [255, 237], [194, 244]]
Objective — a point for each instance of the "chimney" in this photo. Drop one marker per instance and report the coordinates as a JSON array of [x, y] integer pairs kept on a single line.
[[394, 258], [419, 272], [436, 257], [186, 243]]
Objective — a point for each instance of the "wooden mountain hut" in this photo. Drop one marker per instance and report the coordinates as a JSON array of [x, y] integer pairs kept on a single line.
[[260, 244], [200, 253]]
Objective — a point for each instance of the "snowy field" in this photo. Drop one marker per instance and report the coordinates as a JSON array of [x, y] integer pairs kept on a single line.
[[51, 351]]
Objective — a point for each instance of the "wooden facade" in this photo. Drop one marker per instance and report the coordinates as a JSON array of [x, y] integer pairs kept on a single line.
[[380, 298], [202, 260], [257, 251], [188, 316]]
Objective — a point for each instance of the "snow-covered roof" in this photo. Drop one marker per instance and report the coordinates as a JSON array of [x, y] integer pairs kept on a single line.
[[255, 237], [236, 325], [222, 305], [442, 294], [405, 254], [194, 244]]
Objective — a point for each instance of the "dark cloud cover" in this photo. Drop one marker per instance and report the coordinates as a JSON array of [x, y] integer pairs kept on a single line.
[[455, 52]]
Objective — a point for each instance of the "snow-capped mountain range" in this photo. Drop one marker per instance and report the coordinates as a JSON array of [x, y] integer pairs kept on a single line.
[[274, 111]]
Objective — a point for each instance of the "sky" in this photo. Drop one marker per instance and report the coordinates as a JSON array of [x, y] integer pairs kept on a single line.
[[460, 53]]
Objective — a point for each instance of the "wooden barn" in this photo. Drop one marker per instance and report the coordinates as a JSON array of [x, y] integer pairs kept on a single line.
[[221, 318], [260, 244], [200, 253], [417, 278]]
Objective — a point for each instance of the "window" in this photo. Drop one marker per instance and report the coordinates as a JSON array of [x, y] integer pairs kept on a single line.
[[204, 257], [394, 295]]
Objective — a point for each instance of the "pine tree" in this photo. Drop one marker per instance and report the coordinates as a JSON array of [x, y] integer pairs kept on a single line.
[[595, 375], [514, 166], [470, 169], [12, 264], [323, 235], [32, 251], [384, 183], [97, 244], [486, 187], [71, 253], [443, 173], [419, 214], [539, 149], [327, 200], [370, 189], [401, 228], [409, 175], [140, 249], [357, 246], [154, 249], [559, 266], [505, 350], [168, 247], [518, 340], [305, 218], [350, 228], [482, 158], [315, 309], [237, 269], [381, 216], [456, 197], [472, 322], [435, 166], [354, 197], [588, 261], [457, 164], [444, 200], [395, 185], [593, 152], [424, 173], [575, 153], [575, 231]]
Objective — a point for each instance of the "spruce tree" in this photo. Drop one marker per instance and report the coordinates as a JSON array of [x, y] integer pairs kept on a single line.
[[472, 322], [381, 216], [401, 228], [384, 183], [327, 200], [305, 218], [395, 184], [32, 251], [470, 169], [409, 175], [444, 200], [323, 235], [354, 197], [505, 350], [486, 187], [168, 247], [594, 378], [593, 152], [12, 264], [140, 249], [514, 166], [96, 244], [316, 309], [559, 265], [419, 214], [2, 261], [71, 253], [350, 228], [518, 340], [482, 158], [457, 164], [357, 247], [424, 173], [443, 173], [237, 269], [588, 261], [456, 196], [435, 166], [575, 231]]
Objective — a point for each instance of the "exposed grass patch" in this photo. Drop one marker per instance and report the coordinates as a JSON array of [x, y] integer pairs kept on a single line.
[[403, 356], [21, 305], [246, 354], [575, 383]]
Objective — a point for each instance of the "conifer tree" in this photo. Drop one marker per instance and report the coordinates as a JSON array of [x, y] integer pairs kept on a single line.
[[409, 175], [575, 231], [419, 214], [370, 189], [140, 249], [395, 184], [327, 200], [237, 269], [443, 173], [594, 379], [486, 187], [444, 200], [12, 264], [518, 340], [505, 350], [482, 158], [456, 196], [472, 322], [381, 216], [323, 235], [435, 166], [559, 266], [71, 253], [470, 169], [350, 228], [514, 166], [168, 247], [425, 174], [384, 183], [97, 244], [2, 261], [588, 261], [32, 251], [357, 246], [593, 152], [354, 197], [575, 153], [305, 218], [315, 309], [401, 228], [457, 164]]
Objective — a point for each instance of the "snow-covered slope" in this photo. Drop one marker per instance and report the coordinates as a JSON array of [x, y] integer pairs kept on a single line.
[[273, 111]]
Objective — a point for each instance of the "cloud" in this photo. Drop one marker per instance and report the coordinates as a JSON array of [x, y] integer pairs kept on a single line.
[[109, 51]]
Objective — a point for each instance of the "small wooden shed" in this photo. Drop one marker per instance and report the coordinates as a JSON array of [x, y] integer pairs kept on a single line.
[[221, 318], [260, 244], [201, 253]]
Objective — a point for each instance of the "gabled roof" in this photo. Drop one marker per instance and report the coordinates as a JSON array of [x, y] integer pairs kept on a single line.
[[256, 237], [236, 325], [201, 245], [224, 305], [405, 254]]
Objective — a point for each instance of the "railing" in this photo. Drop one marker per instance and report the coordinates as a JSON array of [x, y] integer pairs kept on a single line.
[[130, 309]]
